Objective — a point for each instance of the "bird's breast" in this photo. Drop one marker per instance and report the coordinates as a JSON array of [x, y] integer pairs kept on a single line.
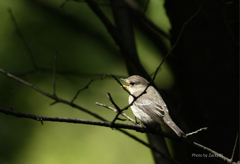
[[146, 119]]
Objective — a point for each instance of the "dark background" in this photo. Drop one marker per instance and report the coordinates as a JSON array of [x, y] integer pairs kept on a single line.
[[199, 80]]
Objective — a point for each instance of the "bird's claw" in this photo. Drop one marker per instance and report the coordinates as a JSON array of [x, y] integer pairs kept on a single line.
[[138, 122]]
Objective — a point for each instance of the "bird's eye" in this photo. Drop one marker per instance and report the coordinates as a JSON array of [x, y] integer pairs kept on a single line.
[[132, 84]]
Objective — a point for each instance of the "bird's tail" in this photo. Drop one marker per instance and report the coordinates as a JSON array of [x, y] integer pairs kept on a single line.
[[169, 122]]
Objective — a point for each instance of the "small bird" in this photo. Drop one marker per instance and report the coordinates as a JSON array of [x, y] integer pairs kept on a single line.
[[149, 107]]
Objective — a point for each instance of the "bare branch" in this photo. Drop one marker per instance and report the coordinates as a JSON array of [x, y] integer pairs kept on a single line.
[[56, 119], [234, 147], [218, 155], [99, 78], [115, 110], [121, 119], [135, 98], [24, 41], [201, 129], [134, 6], [66, 120], [57, 99], [119, 111], [175, 44], [116, 125], [120, 83], [86, 87], [54, 97], [87, 122], [110, 27], [103, 122]]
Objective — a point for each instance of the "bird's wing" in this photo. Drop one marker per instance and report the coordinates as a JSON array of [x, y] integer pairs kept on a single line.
[[152, 105], [155, 107]]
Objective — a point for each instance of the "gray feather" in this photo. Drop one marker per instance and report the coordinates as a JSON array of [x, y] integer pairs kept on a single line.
[[155, 107]]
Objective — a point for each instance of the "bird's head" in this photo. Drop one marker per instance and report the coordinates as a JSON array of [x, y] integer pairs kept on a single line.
[[135, 83]]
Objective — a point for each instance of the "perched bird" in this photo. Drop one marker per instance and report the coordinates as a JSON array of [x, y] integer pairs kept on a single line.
[[149, 107]]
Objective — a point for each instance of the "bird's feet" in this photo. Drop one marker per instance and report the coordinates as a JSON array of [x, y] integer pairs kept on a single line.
[[140, 123]]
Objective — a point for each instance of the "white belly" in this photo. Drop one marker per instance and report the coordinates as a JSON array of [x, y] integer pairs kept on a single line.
[[146, 119]]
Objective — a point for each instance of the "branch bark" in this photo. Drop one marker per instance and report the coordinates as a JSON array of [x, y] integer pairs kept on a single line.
[[137, 128]]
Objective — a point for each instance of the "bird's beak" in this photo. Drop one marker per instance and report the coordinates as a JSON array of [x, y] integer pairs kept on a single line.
[[127, 85], [123, 79]]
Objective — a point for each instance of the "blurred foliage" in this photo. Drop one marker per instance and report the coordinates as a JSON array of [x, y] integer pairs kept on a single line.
[[85, 51]]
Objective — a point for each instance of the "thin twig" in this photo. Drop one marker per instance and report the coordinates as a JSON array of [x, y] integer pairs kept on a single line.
[[134, 6], [116, 35], [119, 111], [57, 99], [113, 76], [110, 27], [22, 38], [60, 100], [115, 110], [88, 122], [67, 120], [86, 87], [175, 44], [201, 129], [218, 155], [154, 76], [129, 105], [234, 147], [116, 125], [54, 73]]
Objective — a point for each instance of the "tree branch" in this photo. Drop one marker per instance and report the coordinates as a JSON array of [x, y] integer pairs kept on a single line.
[[138, 11], [67, 120], [234, 147], [201, 129], [103, 123], [175, 44], [116, 125], [155, 73], [54, 97], [115, 110], [24, 41], [88, 122], [57, 119], [86, 87], [216, 154]]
